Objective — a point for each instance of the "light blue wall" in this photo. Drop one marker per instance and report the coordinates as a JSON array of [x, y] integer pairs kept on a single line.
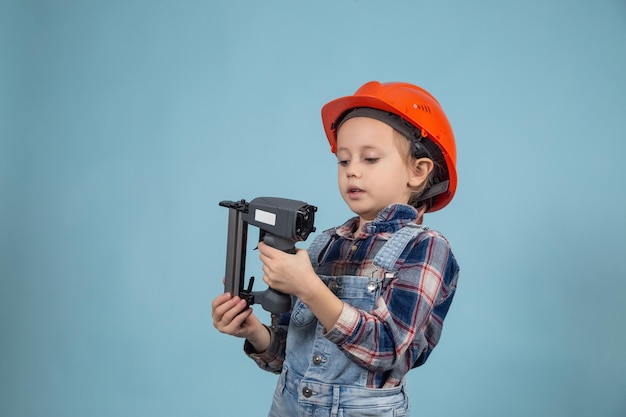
[[124, 123]]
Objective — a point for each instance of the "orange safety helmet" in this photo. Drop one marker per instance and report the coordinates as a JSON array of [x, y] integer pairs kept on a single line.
[[411, 103]]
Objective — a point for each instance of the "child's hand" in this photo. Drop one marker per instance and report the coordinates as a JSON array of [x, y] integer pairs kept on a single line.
[[230, 316], [294, 274], [288, 273]]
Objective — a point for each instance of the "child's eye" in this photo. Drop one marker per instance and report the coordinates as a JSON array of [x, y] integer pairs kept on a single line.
[[371, 160], [343, 162]]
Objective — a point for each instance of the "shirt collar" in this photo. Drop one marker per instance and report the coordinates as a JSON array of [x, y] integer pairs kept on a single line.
[[389, 220]]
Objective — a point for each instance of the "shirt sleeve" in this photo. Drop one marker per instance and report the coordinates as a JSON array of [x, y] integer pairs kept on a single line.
[[407, 318], [272, 359]]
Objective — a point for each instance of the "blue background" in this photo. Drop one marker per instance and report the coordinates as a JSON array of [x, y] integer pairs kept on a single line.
[[124, 123]]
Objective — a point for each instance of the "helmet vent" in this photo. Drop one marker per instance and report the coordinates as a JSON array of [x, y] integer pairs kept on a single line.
[[422, 107]]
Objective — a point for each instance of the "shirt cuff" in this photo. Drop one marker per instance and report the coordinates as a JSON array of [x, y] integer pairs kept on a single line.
[[270, 360], [345, 325], [268, 354]]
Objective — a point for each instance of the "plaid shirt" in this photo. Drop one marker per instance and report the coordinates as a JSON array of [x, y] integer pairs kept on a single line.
[[406, 323]]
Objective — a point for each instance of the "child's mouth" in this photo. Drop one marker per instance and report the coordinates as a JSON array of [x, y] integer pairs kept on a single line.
[[354, 192]]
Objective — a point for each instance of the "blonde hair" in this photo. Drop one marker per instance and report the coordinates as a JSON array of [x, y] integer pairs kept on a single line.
[[404, 145]]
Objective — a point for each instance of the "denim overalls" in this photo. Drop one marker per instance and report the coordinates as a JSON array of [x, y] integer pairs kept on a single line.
[[317, 378]]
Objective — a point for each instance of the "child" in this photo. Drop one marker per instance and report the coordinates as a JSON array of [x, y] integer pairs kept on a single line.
[[370, 296]]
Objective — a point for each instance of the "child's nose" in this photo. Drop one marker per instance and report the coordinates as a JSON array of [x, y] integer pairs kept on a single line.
[[353, 170]]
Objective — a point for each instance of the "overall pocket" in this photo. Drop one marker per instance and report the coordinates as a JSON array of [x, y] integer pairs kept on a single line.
[[301, 315]]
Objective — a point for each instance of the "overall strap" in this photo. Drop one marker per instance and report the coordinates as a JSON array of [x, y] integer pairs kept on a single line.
[[318, 245], [388, 255]]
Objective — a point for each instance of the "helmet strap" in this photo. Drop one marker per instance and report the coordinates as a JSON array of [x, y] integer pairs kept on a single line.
[[435, 190]]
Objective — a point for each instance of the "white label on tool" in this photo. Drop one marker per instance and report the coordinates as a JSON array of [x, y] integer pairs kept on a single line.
[[265, 217]]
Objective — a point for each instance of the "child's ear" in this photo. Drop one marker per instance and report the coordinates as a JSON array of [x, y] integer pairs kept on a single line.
[[420, 169]]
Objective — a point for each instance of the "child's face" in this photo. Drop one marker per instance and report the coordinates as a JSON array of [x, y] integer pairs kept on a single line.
[[374, 170]]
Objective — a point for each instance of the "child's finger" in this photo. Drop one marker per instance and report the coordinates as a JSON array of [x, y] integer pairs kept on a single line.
[[220, 309], [236, 307]]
